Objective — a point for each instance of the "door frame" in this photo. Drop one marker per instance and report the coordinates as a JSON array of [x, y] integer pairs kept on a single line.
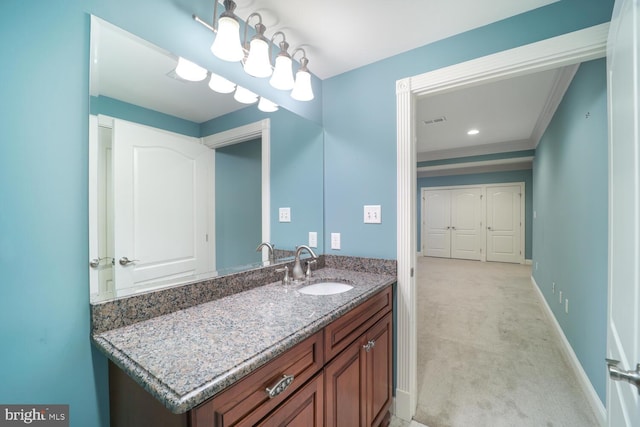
[[567, 49]]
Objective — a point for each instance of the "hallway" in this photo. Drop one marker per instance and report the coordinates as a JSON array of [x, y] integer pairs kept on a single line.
[[487, 354]]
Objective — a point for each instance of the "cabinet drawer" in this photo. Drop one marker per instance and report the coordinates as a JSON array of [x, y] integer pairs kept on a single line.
[[343, 331], [246, 402], [305, 408]]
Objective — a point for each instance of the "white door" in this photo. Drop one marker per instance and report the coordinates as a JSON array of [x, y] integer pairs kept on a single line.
[[466, 220], [437, 223], [160, 206], [623, 336], [504, 223]]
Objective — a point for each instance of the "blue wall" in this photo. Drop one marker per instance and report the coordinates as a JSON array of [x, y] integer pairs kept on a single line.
[[238, 204], [525, 176], [571, 204], [44, 310], [360, 118], [296, 172]]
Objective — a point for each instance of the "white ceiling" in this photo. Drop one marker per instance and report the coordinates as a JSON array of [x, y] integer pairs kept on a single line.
[[339, 36]]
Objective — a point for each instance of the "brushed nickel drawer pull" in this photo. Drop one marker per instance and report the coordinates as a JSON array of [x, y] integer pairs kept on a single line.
[[280, 386]]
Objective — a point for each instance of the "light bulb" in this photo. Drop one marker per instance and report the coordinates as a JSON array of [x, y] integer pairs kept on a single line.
[[258, 64], [267, 106], [245, 96], [220, 84], [282, 77], [302, 90], [226, 45], [190, 71]]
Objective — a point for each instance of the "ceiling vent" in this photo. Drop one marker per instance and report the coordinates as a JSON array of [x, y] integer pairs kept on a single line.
[[435, 120]]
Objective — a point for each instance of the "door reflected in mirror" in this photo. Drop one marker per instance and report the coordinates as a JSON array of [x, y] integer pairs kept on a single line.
[[181, 194]]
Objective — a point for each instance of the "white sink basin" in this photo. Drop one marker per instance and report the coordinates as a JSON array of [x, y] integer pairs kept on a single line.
[[325, 288]]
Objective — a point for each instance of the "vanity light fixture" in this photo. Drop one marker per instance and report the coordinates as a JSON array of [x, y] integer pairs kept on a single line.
[[187, 70], [257, 63], [226, 45], [245, 96], [267, 106], [473, 132], [219, 84], [282, 77], [302, 90]]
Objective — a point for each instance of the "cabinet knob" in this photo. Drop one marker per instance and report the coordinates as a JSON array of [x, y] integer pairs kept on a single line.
[[368, 346]]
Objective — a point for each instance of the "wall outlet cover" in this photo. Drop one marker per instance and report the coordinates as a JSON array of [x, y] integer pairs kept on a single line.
[[372, 214], [284, 214], [335, 241], [313, 239]]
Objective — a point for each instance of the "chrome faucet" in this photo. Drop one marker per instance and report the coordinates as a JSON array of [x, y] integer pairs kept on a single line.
[[298, 274], [269, 246]]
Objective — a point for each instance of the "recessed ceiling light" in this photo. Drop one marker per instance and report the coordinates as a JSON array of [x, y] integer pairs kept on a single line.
[[473, 132]]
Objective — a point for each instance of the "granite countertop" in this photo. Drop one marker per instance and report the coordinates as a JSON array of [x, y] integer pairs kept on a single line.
[[185, 357]]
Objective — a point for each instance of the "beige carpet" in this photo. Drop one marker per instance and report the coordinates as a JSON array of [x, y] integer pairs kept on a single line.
[[487, 355]]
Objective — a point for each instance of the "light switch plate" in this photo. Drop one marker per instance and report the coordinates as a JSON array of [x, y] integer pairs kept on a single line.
[[372, 214], [285, 214], [335, 240], [313, 239]]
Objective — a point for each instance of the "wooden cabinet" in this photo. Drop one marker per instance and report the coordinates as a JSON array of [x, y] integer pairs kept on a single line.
[[358, 382], [246, 402], [342, 376]]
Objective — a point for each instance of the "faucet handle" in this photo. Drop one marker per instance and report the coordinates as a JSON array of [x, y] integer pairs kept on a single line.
[[308, 264], [285, 279]]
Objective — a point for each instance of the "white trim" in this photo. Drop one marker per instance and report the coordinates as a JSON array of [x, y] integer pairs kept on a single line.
[[260, 129], [567, 49], [523, 223], [570, 356], [451, 166], [528, 262]]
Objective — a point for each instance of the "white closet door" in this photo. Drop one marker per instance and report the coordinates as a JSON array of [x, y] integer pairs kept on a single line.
[[466, 218], [160, 205], [504, 226], [437, 223]]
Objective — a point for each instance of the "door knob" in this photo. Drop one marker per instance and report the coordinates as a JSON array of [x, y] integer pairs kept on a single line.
[[488, 228], [617, 374], [126, 261]]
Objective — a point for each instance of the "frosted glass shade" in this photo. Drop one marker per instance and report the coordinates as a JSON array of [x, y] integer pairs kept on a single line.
[[245, 96], [190, 71], [302, 90], [220, 84], [226, 45], [267, 106], [282, 77], [258, 64]]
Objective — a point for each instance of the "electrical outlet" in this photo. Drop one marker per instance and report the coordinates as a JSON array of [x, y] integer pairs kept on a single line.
[[566, 306], [560, 299], [284, 214], [553, 287], [313, 239], [335, 241], [372, 214], [536, 265]]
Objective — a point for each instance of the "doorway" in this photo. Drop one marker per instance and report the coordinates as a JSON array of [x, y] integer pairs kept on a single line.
[[559, 51]]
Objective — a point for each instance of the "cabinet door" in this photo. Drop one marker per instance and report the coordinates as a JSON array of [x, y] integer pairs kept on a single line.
[[343, 378], [379, 376], [304, 409]]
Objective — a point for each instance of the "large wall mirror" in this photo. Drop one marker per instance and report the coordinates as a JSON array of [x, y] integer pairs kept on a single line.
[[185, 183]]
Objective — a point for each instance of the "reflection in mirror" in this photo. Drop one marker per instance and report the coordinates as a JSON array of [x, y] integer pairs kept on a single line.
[[185, 183]]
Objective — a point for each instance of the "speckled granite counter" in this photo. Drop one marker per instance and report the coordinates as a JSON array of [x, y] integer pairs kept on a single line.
[[185, 357]]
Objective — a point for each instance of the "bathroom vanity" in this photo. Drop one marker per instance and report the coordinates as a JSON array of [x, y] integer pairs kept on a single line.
[[269, 355]]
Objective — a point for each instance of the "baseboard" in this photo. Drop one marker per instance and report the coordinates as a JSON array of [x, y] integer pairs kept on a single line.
[[528, 262], [571, 358], [402, 405], [419, 254]]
